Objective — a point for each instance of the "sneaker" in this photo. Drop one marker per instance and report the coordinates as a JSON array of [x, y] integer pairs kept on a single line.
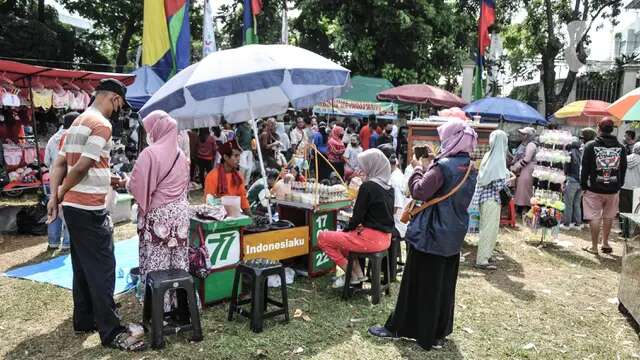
[[338, 283], [576, 227], [565, 227], [52, 247]]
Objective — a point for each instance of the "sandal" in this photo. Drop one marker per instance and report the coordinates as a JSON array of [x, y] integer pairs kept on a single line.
[[606, 250], [485, 267], [381, 332], [126, 342], [590, 251]]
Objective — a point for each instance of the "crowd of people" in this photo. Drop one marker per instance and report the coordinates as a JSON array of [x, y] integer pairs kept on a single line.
[[422, 201]]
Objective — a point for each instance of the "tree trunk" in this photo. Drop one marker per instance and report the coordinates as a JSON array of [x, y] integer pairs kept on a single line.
[[123, 50], [41, 10]]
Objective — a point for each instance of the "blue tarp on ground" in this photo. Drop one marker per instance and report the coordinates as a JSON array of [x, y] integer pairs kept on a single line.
[[58, 271]]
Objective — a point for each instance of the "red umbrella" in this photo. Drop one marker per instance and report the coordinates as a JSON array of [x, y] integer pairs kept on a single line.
[[422, 94]]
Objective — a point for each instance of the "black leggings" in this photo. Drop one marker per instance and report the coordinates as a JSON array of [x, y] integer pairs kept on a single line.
[[204, 166]]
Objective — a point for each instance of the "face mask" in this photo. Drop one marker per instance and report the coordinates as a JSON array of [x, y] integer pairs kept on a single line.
[[354, 144], [115, 114]]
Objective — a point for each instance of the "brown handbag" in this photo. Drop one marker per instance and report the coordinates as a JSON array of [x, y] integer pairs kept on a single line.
[[410, 211]]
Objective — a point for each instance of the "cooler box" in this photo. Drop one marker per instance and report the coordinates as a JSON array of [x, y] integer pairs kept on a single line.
[[223, 240]]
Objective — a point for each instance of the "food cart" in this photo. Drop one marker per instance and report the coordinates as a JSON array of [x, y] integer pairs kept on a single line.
[[629, 291], [314, 219], [223, 240]]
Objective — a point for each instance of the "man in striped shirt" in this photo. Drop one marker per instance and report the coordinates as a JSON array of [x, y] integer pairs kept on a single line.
[[82, 178]]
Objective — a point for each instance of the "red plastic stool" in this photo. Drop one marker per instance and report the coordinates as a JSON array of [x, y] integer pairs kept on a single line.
[[510, 219]]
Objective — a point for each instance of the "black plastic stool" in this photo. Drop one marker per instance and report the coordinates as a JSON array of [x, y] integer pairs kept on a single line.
[[374, 264], [258, 270], [157, 284]]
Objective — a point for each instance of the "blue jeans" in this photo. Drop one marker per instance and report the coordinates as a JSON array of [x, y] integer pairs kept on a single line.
[[572, 201], [55, 229]]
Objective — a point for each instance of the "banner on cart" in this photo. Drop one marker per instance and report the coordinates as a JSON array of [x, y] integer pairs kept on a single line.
[[224, 248], [276, 245]]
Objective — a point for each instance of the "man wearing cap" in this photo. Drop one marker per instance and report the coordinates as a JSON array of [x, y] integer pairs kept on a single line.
[[604, 166], [81, 179]]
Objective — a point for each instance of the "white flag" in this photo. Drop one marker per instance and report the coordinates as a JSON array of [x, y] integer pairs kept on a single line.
[[284, 37], [208, 29]]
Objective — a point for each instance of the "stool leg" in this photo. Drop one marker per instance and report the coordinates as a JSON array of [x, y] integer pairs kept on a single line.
[[257, 306], [346, 290], [146, 309], [388, 279], [265, 293], [375, 280], [234, 295], [157, 322], [285, 298], [196, 333]]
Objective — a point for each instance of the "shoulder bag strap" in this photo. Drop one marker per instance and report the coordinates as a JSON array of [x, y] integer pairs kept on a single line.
[[171, 169], [442, 198]]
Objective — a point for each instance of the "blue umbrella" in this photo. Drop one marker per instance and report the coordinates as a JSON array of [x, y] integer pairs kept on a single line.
[[146, 84], [505, 109]]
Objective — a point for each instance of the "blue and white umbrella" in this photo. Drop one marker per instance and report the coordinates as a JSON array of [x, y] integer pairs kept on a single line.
[[246, 83], [249, 82]]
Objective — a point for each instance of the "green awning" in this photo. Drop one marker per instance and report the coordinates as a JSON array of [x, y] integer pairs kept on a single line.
[[366, 88]]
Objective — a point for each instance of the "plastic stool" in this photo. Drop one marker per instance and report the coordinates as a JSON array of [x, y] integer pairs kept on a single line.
[[157, 284], [258, 270], [510, 220], [375, 268]]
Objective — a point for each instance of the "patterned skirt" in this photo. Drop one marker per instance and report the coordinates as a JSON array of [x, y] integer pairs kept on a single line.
[[163, 233]]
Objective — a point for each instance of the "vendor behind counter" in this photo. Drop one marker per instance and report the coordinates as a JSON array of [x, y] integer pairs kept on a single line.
[[225, 179]]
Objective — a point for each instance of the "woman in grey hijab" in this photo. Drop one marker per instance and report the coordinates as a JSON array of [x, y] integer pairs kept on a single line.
[[371, 224]]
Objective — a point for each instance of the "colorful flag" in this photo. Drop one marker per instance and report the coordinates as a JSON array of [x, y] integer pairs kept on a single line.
[[166, 38], [487, 19], [248, 22], [256, 7], [208, 29]]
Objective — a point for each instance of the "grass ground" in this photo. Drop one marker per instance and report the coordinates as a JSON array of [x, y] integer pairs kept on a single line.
[[556, 302]]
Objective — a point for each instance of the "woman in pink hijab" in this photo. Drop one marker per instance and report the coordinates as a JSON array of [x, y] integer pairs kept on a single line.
[[159, 184], [425, 306]]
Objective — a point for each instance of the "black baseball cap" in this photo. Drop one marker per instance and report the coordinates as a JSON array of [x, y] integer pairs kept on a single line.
[[115, 86]]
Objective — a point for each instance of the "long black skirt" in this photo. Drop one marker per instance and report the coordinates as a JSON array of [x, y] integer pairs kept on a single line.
[[426, 301]]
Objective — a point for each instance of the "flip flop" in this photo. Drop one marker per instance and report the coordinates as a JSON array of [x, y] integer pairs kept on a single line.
[[606, 250], [589, 250], [490, 267]]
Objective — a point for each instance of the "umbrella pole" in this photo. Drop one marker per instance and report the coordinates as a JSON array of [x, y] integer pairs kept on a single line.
[[264, 173]]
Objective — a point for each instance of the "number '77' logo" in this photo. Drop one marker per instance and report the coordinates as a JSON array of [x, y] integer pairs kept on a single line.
[[221, 243]]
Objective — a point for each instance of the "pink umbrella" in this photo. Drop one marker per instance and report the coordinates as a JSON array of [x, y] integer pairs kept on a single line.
[[422, 94]]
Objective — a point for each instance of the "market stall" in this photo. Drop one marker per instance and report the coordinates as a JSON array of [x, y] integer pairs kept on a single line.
[[244, 84], [425, 133], [629, 290], [360, 100], [33, 100]]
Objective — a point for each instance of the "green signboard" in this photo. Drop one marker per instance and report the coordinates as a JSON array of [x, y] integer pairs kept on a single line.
[[322, 222]]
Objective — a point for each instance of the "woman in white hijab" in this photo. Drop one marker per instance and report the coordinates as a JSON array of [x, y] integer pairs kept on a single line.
[[493, 176], [371, 224]]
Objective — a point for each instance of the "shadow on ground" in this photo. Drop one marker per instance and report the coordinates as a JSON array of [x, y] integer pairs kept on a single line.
[[502, 278]]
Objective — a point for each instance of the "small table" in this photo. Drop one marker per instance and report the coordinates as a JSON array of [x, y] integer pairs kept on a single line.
[[629, 291]]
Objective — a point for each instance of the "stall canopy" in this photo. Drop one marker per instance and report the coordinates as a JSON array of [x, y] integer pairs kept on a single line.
[[500, 109], [627, 108], [423, 95], [583, 112], [360, 100], [146, 84], [20, 74]]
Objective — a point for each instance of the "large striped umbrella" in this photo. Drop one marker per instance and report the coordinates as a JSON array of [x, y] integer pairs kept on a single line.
[[583, 112], [627, 108]]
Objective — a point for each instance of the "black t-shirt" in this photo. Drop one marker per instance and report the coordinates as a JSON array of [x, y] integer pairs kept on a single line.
[[373, 208]]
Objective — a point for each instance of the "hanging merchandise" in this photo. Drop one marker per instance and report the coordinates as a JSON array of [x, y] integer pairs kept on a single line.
[[547, 204]]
